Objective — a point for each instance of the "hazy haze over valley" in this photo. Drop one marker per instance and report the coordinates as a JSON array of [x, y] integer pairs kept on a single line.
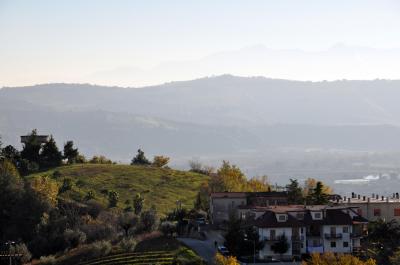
[[330, 130]]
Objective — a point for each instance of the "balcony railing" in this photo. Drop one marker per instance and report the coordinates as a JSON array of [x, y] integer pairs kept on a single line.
[[314, 233], [333, 236], [315, 249]]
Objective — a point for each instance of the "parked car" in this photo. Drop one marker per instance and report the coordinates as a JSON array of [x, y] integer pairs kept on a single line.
[[223, 250]]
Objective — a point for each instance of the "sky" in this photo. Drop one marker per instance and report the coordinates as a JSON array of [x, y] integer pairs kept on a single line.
[[136, 43]]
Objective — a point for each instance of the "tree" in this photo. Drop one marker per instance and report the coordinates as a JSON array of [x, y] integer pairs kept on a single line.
[[46, 188], [98, 160], [234, 237], [318, 195], [127, 221], [11, 154], [138, 203], [295, 195], [228, 178], [310, 184], [160, 161], [23, 250], [31, 149], [148, 220], [383, 239], [332, 259], [113, 198], [50, 156], [140, 159], [168, 228], [221, 260], [258, 184], [70, 153], [282, 246], [11, 194]]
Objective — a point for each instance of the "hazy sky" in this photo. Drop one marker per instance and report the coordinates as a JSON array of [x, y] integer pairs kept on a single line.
[[134, 42]]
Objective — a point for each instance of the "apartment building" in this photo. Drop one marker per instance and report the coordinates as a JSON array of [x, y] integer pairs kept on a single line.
[[223, 204], [308, 229], [374, 207]]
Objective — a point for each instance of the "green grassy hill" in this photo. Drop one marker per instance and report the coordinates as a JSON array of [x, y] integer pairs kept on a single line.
[[160, 187]]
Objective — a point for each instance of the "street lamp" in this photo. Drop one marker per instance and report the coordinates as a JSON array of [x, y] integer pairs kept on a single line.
[[9, 244]]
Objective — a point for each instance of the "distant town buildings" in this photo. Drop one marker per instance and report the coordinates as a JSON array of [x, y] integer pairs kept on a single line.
[[222, 204], [374, 207]]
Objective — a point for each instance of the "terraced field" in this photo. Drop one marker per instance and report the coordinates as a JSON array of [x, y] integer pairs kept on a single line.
[[148, 258]]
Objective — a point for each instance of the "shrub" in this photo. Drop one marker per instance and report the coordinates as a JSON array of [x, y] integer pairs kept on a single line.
[[167, 228], [74, 238], [160, 161], [99, 231], [67, 185], [186, 256], [57, 174], [22, 249], [47, 260], [99, 249], [90, 195], [128, 244], [113, 198], [148, 220]]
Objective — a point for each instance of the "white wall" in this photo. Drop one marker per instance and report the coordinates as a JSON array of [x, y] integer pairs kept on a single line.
[[326, 229], [265, 233]]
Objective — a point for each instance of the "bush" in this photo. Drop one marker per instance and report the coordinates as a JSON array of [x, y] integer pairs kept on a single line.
[[67, 185], [99, 249], [22, 249], [128, 244], [168, 228], [57, 174], [94, 208], [47, 260], [113, 198], [148, 220], [100, 160], [74, 238], [90, 195], [186, 256], [160, 161]]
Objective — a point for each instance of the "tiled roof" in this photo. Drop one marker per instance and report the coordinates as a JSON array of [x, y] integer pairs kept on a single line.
[[228, 195], [268, 219]]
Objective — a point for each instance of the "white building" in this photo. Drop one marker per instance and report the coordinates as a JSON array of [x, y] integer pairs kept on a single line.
[[309, 229]]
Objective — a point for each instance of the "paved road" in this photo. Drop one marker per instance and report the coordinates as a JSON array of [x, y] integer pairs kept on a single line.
[[205, 248]]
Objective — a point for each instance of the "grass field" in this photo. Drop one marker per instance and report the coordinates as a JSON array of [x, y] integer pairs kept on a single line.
[[160, 187]]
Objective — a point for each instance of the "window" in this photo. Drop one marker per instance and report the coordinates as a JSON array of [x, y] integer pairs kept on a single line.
[[282, 218], [396, 212], [377, 212], [333, 230], [345, 244], [333, 244], [317, 216], [345, 229], [301, 231]]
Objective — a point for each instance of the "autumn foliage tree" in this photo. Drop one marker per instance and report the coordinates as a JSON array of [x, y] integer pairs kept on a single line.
[[332, 259], [222, 260], [160, 161]]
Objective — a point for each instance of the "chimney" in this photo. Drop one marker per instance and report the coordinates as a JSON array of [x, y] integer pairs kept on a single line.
[[397, 195], [377, 196], [359, 196], [363, 198], [344, 198], [353, 195], [348, 200], [373, 195], [369, 200], [383, 198]]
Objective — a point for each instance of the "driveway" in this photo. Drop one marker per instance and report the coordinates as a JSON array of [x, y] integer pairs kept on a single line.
[[204, 248]]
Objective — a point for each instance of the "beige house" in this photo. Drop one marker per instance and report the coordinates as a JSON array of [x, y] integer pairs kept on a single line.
[[375, 207]]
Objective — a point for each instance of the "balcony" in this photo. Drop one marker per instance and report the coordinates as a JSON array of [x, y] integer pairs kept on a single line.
[[313, 234], [333, 236]]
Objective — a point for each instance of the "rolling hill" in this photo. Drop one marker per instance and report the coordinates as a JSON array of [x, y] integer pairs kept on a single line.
[[160, 187]]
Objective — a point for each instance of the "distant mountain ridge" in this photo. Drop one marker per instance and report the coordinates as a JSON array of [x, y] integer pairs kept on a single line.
[[209, 116]]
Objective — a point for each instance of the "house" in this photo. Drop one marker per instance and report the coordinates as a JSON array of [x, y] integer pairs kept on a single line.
[[309, 229], [375, 207], [223, 204]]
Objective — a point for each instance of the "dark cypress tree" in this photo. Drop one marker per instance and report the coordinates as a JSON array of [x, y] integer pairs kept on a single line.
[[70, 153], [140, 159], [50, 155], [31, 149]]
